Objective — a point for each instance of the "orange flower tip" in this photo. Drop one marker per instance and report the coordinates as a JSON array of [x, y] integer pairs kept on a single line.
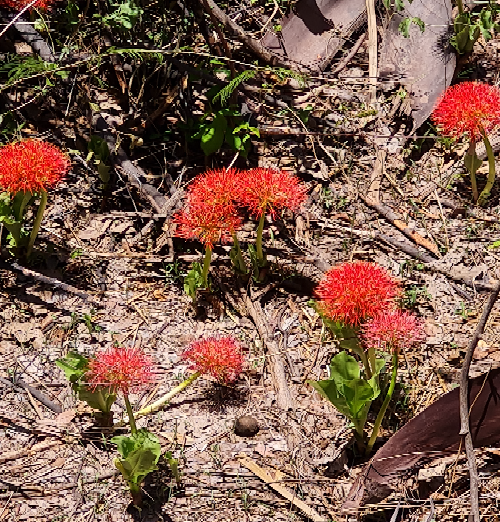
[[392, 331], [219, 357], [468, 107], [271, 190], [353, 292], [31, 166], [121, 370], [18, 5]]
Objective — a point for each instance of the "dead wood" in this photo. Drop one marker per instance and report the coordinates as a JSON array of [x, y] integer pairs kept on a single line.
[[283, 396], [317, 29], [51, 281], [136, 175], [433, 433], [350, 55], [253, 45], [19, 386], [464, 404], [393, 218], [424, 63]]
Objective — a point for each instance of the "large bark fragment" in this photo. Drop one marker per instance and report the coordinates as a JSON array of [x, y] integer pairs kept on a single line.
[[432, 433], [424, 63], [313, 34]]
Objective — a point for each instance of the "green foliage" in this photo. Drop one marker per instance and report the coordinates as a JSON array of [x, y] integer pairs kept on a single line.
[[74, 367], [348, 391], [139, 55], [468, 27], [12, 210], [140, 454], [225, 125], [99, 149], [124, 16], [404, 26], [225, 93], [18, 67], [193, 281]]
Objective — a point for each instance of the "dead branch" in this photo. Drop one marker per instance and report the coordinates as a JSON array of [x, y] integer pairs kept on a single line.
[[13, 266], [37, 394], [394, 219], [254, 45], [464, 404], [350, 55]]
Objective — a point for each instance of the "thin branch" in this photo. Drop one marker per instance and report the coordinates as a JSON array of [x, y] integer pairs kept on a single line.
[[464, 404]]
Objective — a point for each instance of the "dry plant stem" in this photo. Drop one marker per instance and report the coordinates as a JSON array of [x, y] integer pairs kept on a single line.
[[464, 404], [372, 49], [254, 45], [350, 55], [471, 152], [385, 404], [38, 222], [283, 396], [491, 171]]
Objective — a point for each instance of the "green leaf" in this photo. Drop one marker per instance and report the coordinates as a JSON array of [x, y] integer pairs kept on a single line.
[[493, 245], [140, 454], [404, 27], [472, 162], [73, 365], [213, 135], [193, 281], [344, 367]]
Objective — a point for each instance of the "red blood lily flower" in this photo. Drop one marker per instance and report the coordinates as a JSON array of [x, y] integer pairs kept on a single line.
[[207, 223], [392, 331], [266, 189], [470, 107], [215, 187], [31, 166], [353, 292], [121, 370], [18, 5], [221, 358]]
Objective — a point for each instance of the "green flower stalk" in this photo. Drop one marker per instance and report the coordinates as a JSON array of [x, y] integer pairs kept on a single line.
[[471, 108], [27, 169]]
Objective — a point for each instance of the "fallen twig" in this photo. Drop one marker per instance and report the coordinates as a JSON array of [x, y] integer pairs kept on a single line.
[[263, 474], [372, 50], [37, 394], [254, 45], [350, 55], [464, 404], [47, 280], [393, 218]]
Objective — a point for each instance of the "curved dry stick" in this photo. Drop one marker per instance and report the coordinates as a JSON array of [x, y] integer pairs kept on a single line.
[[464, 404]]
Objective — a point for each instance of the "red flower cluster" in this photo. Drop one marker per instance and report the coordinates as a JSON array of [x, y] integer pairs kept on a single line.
[[31, 166], [213, 198], [265, 189], [392, 331], [219, 357], [121, 370], [18, 5], [353, 292], [210, 214], [468, 107]]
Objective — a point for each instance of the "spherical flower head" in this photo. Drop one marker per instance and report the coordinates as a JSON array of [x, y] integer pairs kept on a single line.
[[121, 370], [392, 331], [219, 357], [469, 107], [270, 190], [31, 166], [353, 292], [18, 5], [207, 223], [215, 187]]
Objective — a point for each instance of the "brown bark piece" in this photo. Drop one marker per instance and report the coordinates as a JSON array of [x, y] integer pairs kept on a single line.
[[312, 35], [425, 61], [434, 432]]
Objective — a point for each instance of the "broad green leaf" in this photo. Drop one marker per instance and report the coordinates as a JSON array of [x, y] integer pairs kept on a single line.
[[73, 365], [213, 135], [140, 454], [344, 367]]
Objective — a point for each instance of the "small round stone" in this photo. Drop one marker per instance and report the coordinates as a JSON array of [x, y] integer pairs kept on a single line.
[[246, 426]]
